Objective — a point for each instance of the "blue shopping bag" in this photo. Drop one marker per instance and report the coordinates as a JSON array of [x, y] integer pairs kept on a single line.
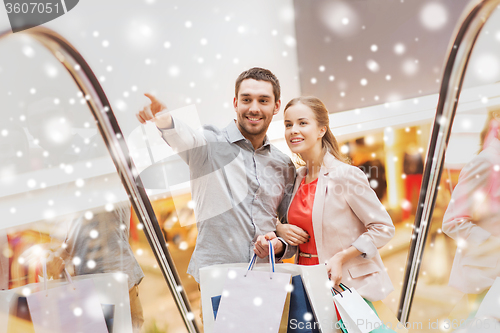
[[301, 318], [215, 305]]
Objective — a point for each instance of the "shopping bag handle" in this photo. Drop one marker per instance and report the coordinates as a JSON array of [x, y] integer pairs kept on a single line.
[[342, 286], [335, 292], [271, 260], [45, 277]]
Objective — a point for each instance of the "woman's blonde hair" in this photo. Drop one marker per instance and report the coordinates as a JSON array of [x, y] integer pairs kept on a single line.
[[329, 142], [491, 124]]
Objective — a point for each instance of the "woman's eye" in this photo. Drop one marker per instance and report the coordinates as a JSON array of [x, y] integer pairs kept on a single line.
[[303, 123]]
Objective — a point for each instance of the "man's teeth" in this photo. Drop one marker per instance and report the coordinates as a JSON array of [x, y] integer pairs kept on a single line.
[[253, 119]]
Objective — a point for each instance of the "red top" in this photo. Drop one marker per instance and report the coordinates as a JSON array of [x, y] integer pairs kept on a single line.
[[300, 214]]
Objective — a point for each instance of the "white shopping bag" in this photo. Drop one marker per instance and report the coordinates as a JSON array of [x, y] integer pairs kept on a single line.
[[253, 301], [73, 307], [356, 314], [316, 283], [112, 288], [490, 306]]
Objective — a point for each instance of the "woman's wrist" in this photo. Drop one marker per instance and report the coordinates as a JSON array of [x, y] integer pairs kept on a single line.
[[346, 255], [339, 256]]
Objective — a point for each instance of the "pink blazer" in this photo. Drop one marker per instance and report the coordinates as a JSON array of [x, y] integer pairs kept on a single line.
[[347, 212], [472, 219]]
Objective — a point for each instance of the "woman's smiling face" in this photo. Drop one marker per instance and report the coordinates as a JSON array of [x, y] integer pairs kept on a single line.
[[302, 132]]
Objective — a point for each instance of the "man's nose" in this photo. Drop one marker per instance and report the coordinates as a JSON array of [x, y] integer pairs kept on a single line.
[[254, 106]]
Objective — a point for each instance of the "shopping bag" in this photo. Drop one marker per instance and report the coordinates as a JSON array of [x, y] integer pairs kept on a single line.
[[112, 288], [215, 305], [284, 319], [73, 307], [314, 277], [19, 316], [356, 314], [340, 324], [253, 301], [490, 306], [301, 318], [109, 316]]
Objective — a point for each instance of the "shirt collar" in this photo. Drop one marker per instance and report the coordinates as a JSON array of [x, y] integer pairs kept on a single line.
[[234, 134]]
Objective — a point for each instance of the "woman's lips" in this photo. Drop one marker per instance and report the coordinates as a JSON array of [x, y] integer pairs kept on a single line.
[[295, 141]]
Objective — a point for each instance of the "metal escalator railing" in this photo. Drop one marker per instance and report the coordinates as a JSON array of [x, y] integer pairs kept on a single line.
[[108, 126], [459, 52]]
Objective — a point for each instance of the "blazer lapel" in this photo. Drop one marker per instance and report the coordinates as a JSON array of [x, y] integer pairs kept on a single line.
[[317, 211], [298, 179]]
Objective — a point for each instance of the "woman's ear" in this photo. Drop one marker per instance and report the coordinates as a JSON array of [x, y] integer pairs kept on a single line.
[[322, 132]]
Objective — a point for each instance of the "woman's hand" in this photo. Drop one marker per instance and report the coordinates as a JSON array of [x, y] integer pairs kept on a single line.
[[334, 269], [334, 265], [292, 234]]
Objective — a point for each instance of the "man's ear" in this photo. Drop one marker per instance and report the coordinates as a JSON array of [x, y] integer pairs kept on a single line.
[[277, 107], [235, 103]]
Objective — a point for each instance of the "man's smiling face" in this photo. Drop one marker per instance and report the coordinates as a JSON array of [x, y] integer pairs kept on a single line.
[[255, 107]]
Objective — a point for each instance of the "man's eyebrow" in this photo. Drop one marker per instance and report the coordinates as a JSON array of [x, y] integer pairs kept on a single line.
[[246, 95]]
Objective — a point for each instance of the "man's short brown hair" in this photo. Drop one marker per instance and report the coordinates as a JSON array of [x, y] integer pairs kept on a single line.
[[259, 74]]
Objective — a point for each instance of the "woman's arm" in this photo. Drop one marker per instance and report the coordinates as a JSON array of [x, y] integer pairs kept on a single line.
[[366, 206], [473, 188], [335, 263]]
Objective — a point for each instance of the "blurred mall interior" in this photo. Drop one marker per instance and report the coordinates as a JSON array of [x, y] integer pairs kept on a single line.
[[378, 65]]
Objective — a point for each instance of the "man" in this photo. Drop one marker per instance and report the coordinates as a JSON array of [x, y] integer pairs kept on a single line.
[[240, 183], [99, 243]]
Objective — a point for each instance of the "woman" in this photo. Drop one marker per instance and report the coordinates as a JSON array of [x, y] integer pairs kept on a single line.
[[471, 218], [334, 217]]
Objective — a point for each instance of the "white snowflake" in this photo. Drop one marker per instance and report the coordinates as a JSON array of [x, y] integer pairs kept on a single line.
[[28, 51], [434, 16]]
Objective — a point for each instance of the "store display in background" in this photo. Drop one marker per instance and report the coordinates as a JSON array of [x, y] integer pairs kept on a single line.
[[413, 168], [4, 261], [375, 172], [23, 271], [177, 221]]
